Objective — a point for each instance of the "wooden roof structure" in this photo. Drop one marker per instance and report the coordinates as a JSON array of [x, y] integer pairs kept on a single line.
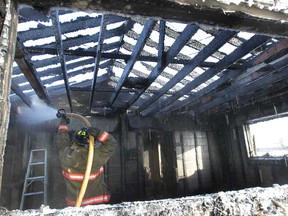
[[104, 64]]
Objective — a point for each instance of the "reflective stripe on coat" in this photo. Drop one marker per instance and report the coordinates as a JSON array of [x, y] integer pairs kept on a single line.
[[103, 137], [90, 201], [80, 177]]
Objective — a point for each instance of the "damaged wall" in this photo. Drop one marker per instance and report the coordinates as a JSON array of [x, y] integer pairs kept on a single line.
[[175, 158], [148, 163], [182, 158], [8, 22], [240, 170]]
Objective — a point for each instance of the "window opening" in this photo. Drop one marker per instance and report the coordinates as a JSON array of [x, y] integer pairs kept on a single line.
[[267, 137]]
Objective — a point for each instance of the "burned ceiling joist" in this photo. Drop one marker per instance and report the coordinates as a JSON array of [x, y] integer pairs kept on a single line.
[[30, 74], [97, 58], [108, 64], [220, 40], [175, 48], [244, 83], [15, 88], [234, 56], [251, 69], [134, 56], [60, 51]]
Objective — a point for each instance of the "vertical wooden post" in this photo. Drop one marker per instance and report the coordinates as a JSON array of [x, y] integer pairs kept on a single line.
[[7, 51], [140, 167], [210, 158], [124, 139], [186, 187], [199, 174]]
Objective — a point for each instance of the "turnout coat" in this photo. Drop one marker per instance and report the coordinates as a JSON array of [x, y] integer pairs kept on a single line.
[[74, 160]]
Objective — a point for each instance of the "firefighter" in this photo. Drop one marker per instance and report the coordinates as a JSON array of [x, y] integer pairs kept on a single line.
[[73, 156]]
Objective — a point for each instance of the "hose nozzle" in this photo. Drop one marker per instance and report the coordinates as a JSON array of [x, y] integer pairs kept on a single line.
[[62, 114]]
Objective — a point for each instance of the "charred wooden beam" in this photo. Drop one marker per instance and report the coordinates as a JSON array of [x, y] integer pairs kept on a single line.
[[161, 45], [195, 99], [30, 74], [60, 51], [265, 96], [214, 45], [128, 25], [270, 95], [178, 44], [16, 89], [73, 26], [251, 75], [104, 55], [192, 43], [277, 48], [237, 54], [241, 17], [227, 76], [134, 56], [31, 13], [97, 59], [52, 74], [111, 90], [251, 84]]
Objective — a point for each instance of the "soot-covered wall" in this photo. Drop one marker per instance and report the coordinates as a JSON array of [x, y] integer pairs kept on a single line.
[[149, 163], [240, 171]]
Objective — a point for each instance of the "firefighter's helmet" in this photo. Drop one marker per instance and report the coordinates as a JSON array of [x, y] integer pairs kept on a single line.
[[81, 137]]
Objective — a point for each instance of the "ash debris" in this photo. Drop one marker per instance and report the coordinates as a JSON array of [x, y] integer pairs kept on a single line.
[[252, 201]]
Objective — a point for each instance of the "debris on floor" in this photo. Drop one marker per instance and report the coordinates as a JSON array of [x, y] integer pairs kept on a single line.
[[251, 201]]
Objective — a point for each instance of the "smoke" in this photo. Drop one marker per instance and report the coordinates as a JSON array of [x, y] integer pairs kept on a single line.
[[37, 114]]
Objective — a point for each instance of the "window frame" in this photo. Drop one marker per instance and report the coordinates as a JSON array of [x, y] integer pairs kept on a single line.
[[251, 146]]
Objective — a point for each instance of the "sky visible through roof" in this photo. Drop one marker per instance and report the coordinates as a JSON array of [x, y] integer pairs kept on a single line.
[[200, 36]]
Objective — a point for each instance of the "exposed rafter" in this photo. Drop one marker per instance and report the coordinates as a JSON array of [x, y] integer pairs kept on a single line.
[[240, 52], [60, 51], [15, 88], [135, 54], [143, 66], [105, 55], [250, 68], [183, 38], [251, 82], [97, 58], [217, 42], [30, 74]]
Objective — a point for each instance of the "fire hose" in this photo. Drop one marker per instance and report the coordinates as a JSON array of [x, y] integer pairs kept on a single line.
[[62, 114]]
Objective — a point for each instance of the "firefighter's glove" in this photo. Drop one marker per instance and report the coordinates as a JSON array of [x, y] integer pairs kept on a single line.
[[95, 132], [65, 120], [97, 143]]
